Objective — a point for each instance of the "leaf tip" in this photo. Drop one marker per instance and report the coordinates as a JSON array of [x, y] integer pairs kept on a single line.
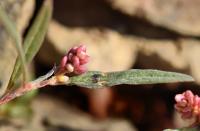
[[188, 78]]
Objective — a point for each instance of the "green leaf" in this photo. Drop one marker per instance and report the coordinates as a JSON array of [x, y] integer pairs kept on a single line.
[[34, 38], [12, 31], [95, 79], [183, 129]]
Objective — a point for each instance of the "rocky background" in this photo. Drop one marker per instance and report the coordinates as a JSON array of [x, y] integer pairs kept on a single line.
[[119, 35]]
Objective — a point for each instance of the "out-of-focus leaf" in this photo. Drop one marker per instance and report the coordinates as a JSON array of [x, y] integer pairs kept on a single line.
[[12, 31], [19, 110], [95, 79], [34, 38], [16, 109], [183, 129]]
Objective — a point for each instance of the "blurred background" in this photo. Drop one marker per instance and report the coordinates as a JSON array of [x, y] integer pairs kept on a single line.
[[119, 35]]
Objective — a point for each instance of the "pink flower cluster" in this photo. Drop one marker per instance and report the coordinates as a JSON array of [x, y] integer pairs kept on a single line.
[[188, 105], [74, 61]]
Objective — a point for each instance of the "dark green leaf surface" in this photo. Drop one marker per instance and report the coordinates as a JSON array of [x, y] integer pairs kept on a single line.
[[95, 79], [34, 38]]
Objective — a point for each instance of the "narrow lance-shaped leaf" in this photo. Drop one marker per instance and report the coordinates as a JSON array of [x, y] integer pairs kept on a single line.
[[34, 38], [95, 79], [12, 31]]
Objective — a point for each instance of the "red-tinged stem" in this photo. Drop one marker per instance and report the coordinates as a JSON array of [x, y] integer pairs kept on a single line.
[[8, 97], [38, 83], [22, 90], [14, 93]]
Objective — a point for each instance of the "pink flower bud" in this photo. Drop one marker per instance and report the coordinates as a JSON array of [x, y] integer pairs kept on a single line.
[[75, 61], [189, 95], [81, 48], [85, 60], [179, 97], [73, 50], [81, 55], [195, 100], [69, 68], [63, 62], [70, 55], [80, 70]]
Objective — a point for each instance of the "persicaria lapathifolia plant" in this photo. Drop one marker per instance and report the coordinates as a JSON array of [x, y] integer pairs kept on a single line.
[[72, 71]]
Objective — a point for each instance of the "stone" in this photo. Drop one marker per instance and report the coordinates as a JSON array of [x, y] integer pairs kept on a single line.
[[181, 16]]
